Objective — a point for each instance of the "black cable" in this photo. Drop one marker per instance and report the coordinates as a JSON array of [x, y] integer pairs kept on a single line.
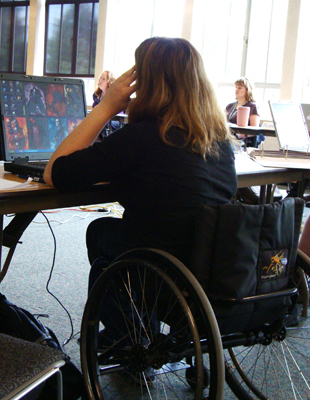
[[49, 279]]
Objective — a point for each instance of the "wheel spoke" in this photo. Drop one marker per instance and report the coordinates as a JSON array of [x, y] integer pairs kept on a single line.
[[147, 326], [276, 370]]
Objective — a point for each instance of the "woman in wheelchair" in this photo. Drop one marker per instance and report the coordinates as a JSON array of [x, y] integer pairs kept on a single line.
[[173, 156], [147, 316]]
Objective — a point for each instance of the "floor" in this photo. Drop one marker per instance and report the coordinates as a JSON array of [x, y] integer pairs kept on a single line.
[[33, 274]]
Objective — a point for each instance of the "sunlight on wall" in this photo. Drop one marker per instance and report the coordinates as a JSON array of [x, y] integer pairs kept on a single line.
[[126, 29]]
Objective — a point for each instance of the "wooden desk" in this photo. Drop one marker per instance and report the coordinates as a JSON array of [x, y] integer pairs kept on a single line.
[[251, 173], [28, 201], [42, 197]]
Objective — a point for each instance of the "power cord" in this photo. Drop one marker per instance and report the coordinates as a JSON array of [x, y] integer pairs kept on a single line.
[[49, 279]]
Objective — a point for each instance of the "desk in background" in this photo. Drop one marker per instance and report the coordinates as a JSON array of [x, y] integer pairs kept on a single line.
[[25, 202], [121, 118], [251, 130]]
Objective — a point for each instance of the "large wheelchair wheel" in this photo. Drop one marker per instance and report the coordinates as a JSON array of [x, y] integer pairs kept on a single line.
[[278, 366], [140, 334]]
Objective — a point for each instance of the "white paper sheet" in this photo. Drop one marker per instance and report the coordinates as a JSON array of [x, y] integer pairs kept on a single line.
[[283, 162], [6, 185]]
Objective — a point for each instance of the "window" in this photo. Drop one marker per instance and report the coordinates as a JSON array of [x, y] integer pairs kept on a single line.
[[13, 35], [266, 40], [218, 33], [242, 38], [71, 34]]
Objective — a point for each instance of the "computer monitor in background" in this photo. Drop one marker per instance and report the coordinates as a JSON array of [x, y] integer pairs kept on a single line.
[[33, 109], [306, 111], [290, 126]]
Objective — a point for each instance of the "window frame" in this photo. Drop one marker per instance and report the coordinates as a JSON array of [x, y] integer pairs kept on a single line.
[[13, 4], [77, 4]]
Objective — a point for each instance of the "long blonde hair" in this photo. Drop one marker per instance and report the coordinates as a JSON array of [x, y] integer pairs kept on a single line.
[[110, 78], [174, 89]]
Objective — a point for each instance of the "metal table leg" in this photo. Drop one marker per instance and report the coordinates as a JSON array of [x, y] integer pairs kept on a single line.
[[9, 237]]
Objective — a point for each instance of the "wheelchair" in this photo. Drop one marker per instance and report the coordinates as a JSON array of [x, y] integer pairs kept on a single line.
[[153, 329]]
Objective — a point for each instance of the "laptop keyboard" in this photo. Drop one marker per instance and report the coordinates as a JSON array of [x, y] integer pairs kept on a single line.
[[38, 163]]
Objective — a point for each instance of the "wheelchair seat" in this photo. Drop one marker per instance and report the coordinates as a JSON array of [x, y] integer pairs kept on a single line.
[[177, 332]]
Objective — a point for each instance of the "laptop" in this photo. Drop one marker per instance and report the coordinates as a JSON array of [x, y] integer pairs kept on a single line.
[[290, 125], [37, 113], [306, 111]]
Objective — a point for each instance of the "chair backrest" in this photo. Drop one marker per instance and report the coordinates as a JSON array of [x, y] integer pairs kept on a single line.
[[241, 251]]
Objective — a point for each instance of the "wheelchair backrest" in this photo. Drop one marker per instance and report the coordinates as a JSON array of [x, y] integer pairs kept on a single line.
[[241, 251]]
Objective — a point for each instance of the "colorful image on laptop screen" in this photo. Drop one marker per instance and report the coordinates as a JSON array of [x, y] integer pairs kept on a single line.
[[38, 113]]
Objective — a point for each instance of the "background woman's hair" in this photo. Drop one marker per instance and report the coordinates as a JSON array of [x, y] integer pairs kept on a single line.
[[174, 89], [110, 78], [249, 87]]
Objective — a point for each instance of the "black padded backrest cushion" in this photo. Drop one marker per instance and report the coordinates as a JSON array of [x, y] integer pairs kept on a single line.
[[235, 243], [246, 250]]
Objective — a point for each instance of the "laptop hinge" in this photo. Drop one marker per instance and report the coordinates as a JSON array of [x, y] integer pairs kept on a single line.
[[21, 160]]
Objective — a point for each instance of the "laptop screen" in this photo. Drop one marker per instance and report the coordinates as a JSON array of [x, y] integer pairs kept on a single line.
[[37, 113], [306, 111], [290, 125]]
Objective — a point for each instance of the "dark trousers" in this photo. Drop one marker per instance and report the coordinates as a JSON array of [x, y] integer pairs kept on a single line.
[[105, 238]]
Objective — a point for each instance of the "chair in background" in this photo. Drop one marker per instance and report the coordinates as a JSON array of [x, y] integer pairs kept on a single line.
[[24, 366]]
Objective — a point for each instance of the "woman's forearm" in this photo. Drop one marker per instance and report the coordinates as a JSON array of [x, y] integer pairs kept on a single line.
[[254, 120], [115, 100]]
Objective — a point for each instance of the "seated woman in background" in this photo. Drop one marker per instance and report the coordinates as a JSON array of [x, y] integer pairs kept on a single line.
[[105, 81], [174, 155], [244, 96]]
